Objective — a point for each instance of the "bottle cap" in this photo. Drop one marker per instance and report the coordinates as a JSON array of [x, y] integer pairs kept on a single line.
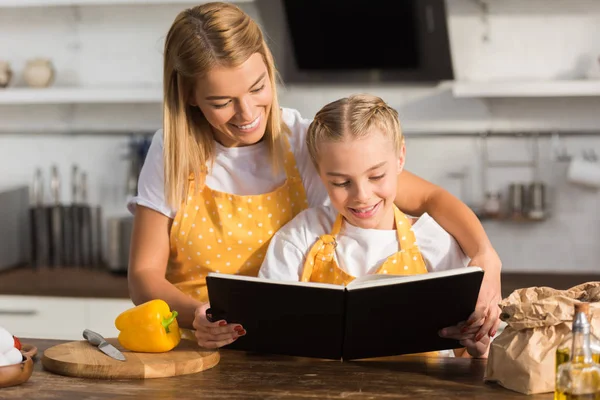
[[582, 307]]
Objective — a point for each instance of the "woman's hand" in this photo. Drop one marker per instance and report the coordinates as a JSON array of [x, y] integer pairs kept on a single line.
[[490, 295], [212, 335], [477, 349], [466, 337], [484, 321]]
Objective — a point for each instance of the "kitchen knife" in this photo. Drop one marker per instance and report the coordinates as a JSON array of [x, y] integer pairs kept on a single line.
[[56, 220], [69, 229], [40, 246], [86, 224], [105, 347]]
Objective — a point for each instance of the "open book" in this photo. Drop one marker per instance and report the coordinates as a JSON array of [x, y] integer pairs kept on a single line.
[[375, 315]]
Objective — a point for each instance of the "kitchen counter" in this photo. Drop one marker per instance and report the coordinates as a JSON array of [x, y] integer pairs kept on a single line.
[[241, 375], [64, 282], [101, 283]]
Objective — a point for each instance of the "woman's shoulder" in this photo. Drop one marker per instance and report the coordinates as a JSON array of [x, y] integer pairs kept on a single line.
[[158, 139], [293, 119]]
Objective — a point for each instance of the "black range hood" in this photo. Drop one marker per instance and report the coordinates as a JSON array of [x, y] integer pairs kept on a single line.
[[344, 41]]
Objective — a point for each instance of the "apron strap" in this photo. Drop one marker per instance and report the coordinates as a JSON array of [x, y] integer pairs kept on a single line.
[[324, 247], [406, 236]]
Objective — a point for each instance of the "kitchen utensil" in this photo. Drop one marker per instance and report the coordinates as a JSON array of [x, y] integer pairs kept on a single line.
[[56, 220], [12, 375], [86, 224], [15, 236], [536, 202], [79, 359], [584, 172], [119, 239], [491, 206], [516, 198], [97, 236], [69, 223], [38, 218], [97, 340]]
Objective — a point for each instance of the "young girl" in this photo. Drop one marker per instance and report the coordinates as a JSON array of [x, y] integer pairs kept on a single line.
[[230, 167], [358, 149]]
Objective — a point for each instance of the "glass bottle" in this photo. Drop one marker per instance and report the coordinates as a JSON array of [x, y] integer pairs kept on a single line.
[[579, 378], [563, 350]]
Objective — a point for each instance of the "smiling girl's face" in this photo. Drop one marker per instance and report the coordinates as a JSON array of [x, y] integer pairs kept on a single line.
[[361, 177]]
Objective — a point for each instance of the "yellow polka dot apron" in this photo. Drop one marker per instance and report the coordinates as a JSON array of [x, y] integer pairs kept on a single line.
[[321, 266], [222, 232]]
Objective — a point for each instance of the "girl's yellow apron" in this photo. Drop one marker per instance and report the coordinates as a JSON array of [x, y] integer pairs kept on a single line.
[[227, 233], [321, 265]]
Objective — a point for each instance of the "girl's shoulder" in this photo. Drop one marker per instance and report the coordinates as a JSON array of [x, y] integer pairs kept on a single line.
[[308, 225]]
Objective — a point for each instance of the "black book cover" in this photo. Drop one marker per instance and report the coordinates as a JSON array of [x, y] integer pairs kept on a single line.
[[380, 316], [406, 318], [281, 318]]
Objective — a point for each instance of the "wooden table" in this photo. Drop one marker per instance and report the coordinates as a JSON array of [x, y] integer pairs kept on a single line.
[[241, 375]]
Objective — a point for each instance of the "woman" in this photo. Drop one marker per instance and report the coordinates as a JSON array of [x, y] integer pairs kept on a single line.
[[230, 168]]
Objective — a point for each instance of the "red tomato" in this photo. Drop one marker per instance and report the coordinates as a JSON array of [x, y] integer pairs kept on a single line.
[[17, 343]]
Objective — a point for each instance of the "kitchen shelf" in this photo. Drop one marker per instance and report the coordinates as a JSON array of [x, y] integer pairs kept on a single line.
[[565, 88], [79, 95], [51, 3]]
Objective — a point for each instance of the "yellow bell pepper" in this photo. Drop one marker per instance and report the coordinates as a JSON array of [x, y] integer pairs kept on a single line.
[[150, 327]]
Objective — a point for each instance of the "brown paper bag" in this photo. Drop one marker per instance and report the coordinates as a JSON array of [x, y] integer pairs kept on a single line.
[[522, 357]]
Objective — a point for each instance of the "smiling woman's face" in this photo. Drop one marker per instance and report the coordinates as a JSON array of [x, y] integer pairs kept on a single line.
[[236, 101]]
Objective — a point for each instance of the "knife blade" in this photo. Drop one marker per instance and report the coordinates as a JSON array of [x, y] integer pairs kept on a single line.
[[97, 340]]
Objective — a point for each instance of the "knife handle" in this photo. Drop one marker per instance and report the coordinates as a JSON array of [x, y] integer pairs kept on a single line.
[[93, 337]]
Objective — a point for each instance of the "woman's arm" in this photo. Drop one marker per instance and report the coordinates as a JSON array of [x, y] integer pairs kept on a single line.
[[148, 259], [416, 196]]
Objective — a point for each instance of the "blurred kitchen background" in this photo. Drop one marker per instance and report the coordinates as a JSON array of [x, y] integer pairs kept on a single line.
[[500, 104]]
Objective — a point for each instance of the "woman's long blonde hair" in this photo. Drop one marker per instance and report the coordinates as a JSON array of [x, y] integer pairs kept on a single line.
[[353, 117], [203, 37]]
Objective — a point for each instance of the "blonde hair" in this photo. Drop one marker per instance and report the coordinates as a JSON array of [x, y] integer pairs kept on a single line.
[[203, 37], [353, 117]]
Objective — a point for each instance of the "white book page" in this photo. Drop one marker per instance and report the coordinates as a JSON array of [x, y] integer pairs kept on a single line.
[[383, 279], [275, 282]]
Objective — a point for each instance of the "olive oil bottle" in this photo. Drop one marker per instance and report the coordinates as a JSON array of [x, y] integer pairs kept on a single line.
[[579, 377], [563, 351]]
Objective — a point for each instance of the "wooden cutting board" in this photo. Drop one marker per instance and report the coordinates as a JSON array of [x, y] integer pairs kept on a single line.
[[81, 359]]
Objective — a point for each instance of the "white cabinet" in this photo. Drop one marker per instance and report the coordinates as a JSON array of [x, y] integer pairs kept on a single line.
[[42, 317], [60, 317]]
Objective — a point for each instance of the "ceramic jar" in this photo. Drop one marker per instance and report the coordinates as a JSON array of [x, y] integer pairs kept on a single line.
[[5, 74], [39, 73]]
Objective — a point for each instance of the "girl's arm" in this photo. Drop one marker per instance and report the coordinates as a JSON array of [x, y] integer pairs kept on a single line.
[[416, 196]]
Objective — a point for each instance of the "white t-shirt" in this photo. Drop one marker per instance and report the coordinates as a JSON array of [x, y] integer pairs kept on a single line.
[[236, 170], [359, 251]]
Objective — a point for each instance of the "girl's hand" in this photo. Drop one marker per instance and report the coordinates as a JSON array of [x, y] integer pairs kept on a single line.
[[212, 335]]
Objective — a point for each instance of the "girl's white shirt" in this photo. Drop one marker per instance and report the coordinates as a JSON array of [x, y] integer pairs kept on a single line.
[[237, 170], [359, 251]]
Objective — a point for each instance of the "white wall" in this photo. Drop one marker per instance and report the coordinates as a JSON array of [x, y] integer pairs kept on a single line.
[[537, 39]]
